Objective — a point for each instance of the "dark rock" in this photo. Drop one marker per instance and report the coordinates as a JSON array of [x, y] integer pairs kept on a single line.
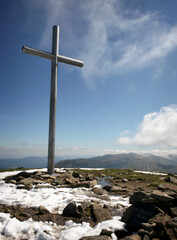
[[121, 233], [137, 214], [71, 211], [137, 197], [107, 188], [77, 175], [24, 174], [99, 213], [106, 232], [127, 215], [22, 216]]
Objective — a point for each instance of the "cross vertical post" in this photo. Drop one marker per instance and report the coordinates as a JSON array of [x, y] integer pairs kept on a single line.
[[55, 58], [53, 100]]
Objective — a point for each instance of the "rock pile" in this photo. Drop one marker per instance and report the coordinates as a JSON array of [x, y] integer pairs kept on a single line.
[[153, 215], [38, 179]]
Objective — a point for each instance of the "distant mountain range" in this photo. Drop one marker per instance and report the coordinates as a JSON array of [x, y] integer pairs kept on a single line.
[[146, 162], [28, 162]]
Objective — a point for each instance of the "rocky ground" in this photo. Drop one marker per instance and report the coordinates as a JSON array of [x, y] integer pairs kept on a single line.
[[153, 199]]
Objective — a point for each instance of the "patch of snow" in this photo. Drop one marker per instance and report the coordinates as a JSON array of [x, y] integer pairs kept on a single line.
[[54, 199], [155, 173], [11, 228], [77, 231], [14, 229]]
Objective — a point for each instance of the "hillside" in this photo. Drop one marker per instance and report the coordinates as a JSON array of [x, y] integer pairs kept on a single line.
[[130, 160], [26, 162]]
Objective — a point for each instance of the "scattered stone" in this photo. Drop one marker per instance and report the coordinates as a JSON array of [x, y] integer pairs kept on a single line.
[[77, 175], [43, 210], [153, 214], [48, 176], [146, 237], [132, 237], [171, 179], [86, 184], [27, 186], [43, 186], [99, 190], [106, 232], [148, 227], [24, 174], [173, 211], [165, 187], [124, 180], [29, 180], [107, 188], [96, 238], [12, 181], [105, 197]]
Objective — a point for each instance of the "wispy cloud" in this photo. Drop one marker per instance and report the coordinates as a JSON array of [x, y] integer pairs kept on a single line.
[[117, 42], [108, 36], [157, 129]]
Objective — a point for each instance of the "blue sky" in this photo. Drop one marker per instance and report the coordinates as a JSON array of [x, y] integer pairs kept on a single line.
[[123, 99]]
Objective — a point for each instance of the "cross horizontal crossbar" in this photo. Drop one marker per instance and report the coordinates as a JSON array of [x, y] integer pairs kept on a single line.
[[43, 54]]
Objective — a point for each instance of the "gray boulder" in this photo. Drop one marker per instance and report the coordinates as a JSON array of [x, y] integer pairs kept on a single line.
[[99, 213], [99, 190]]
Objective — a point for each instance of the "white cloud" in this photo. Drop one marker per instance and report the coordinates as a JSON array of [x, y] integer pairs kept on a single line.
[[117, 42], [107, 35], [126, 132], [157, 129]]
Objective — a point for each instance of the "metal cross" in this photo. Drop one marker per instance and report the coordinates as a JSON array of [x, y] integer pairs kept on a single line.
[[55, 58]]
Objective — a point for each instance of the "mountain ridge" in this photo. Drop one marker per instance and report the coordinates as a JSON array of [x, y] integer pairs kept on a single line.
[[125, 160]]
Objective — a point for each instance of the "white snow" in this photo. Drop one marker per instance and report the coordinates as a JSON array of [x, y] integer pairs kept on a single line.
[[11, 228], [77, 231], [54, 200], [155, 173]]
